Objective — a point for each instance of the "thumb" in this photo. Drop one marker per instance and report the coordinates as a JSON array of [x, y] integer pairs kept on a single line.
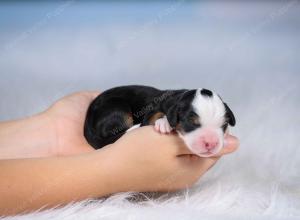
[[231, 144]]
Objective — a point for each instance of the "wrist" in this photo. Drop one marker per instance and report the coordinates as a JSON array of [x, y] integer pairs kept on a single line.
[[123, 172], [109, 173], [25, 138]]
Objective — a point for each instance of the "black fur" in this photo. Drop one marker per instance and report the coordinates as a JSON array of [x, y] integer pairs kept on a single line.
[[229, 115], [206, 92], [183, 112], [105, 120]]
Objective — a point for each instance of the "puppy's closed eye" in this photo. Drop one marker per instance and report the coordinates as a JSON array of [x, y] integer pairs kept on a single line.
[[225, 126], [194, 119]]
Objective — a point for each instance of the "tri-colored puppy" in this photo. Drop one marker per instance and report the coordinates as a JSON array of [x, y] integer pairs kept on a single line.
[[199, 116]]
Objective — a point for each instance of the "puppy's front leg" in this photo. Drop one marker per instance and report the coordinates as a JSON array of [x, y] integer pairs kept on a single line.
[[162, 125]]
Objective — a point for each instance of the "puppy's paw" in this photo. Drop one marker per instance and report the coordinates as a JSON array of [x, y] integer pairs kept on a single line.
[[162, 125]]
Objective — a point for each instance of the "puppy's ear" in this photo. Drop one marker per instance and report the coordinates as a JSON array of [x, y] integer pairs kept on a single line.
[[229, 115], [172, 115]]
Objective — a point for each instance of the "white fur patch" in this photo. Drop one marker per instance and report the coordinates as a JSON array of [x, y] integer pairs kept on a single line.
[[211, 111], [162, 125]]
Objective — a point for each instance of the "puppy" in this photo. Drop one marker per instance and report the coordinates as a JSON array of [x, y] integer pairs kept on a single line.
[[199, 116]]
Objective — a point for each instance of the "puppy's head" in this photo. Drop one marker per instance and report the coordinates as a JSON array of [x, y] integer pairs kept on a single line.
[[201, 119]]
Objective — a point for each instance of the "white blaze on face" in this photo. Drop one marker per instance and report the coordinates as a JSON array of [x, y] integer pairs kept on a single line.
[[211, 111]]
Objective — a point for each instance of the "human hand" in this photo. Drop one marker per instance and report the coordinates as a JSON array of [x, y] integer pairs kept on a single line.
[[145, 160], [67, 116]]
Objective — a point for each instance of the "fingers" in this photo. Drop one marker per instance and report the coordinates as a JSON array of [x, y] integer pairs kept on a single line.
[[201, 165], [87, 94], [174, 143], [177, 145], [182, 148], [91, 94], [94, 94], [231, 144]]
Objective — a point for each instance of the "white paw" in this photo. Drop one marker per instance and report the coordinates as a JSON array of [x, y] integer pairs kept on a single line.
[[162, 125], [133, 127]]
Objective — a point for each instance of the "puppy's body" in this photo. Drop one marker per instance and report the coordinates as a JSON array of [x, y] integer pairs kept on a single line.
[[116, 110]]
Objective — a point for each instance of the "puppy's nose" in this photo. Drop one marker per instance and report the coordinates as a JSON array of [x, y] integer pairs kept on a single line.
[[210, 144]]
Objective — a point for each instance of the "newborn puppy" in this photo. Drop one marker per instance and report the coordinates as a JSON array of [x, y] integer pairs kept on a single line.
[[199, 116]]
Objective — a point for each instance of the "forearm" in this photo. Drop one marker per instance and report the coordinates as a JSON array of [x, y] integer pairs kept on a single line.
[[26, 138], [29, 184]]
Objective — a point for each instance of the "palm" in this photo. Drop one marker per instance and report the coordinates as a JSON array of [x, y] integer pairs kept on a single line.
[[68, 115]]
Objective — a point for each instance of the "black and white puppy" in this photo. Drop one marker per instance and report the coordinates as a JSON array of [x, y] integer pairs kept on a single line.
[[199, 116]]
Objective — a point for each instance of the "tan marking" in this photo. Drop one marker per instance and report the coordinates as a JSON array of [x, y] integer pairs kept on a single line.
[[155, 117], [178, 127], [195, 120], [128, 119]]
